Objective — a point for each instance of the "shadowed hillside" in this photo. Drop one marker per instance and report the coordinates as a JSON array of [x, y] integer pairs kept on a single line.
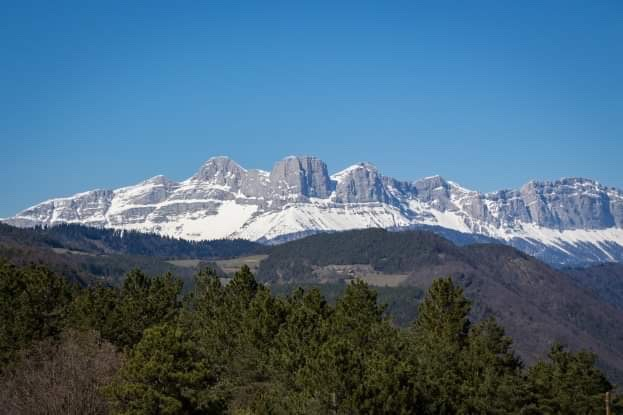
[[85, 255], [534, 302], [605, 281], [110, 241]]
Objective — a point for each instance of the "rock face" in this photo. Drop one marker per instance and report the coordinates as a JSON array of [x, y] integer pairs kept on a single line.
[[571, 220], [300, 176], [220, 171], [570, 204], [360, 183]]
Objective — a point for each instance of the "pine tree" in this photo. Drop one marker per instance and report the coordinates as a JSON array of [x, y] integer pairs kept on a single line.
[[357, 367], [300, 336], [307, 315], [33, 306], [166, 373], [569, 383], [94, 309], [143, 302], [438, 338], [491, 381], [237, 324]]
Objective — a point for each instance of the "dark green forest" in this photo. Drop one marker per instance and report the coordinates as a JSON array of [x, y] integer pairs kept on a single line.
[[111, 241], [87, 255], [146, 348]]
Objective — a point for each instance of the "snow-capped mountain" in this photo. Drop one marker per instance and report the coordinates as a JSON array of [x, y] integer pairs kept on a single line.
[[567, 221]]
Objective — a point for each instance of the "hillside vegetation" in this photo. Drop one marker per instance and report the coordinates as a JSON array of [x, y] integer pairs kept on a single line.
[[109, 241], [90, 255], [535, 303], [604, 280], [143, 348]]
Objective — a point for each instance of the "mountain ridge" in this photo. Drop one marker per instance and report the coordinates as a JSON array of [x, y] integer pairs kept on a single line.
[[569, 221]]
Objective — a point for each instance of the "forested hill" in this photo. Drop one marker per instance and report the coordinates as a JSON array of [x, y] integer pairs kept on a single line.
[[605, 280], [385, 251], [89, 255], [534, 302], [109, 241]]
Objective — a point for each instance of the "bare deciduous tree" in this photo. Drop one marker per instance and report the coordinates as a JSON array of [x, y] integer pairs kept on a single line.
[[62, 377]]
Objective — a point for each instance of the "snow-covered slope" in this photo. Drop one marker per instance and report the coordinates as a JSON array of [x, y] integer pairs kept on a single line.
[[566, 221]]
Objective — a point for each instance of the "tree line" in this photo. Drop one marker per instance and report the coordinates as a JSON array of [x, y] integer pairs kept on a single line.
[[144, 348]]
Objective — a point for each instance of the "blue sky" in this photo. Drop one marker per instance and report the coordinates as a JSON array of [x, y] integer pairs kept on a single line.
[[490, 94]]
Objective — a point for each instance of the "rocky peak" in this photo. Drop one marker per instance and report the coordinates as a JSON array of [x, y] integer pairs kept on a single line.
[[221, 171], [573, 181], [151, 191], [570, 203], [431, 183], [435, 190], [302, 175], [360, 183]]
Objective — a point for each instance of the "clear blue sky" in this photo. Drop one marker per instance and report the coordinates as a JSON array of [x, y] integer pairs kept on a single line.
[[487, 93]]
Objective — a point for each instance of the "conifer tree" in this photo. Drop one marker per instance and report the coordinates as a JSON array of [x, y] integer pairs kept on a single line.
[[143, 302], [166, 373], [438, 338], [569, 383], [491, 380], [355, 367], [93, 308], [298, 340], [33, 306]]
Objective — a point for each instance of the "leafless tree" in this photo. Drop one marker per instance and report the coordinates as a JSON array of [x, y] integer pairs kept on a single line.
[[60, 377]]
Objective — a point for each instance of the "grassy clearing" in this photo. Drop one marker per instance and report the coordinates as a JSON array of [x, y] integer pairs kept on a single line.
[[65, 251], [383, 280], [230, 266], [365, 272]]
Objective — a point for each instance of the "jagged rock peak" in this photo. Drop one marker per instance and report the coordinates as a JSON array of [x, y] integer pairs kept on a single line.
[[566, 185], [363, 165], [572, 203], [360, 183], [432, 182], [435, 190], [301, 175], [222, 171]]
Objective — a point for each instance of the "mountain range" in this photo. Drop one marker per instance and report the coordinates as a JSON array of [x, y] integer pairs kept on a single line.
[[570, 221]]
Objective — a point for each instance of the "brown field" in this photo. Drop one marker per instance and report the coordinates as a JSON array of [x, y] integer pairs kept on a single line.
[[365, 272], [230, 266], [70, 252]]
